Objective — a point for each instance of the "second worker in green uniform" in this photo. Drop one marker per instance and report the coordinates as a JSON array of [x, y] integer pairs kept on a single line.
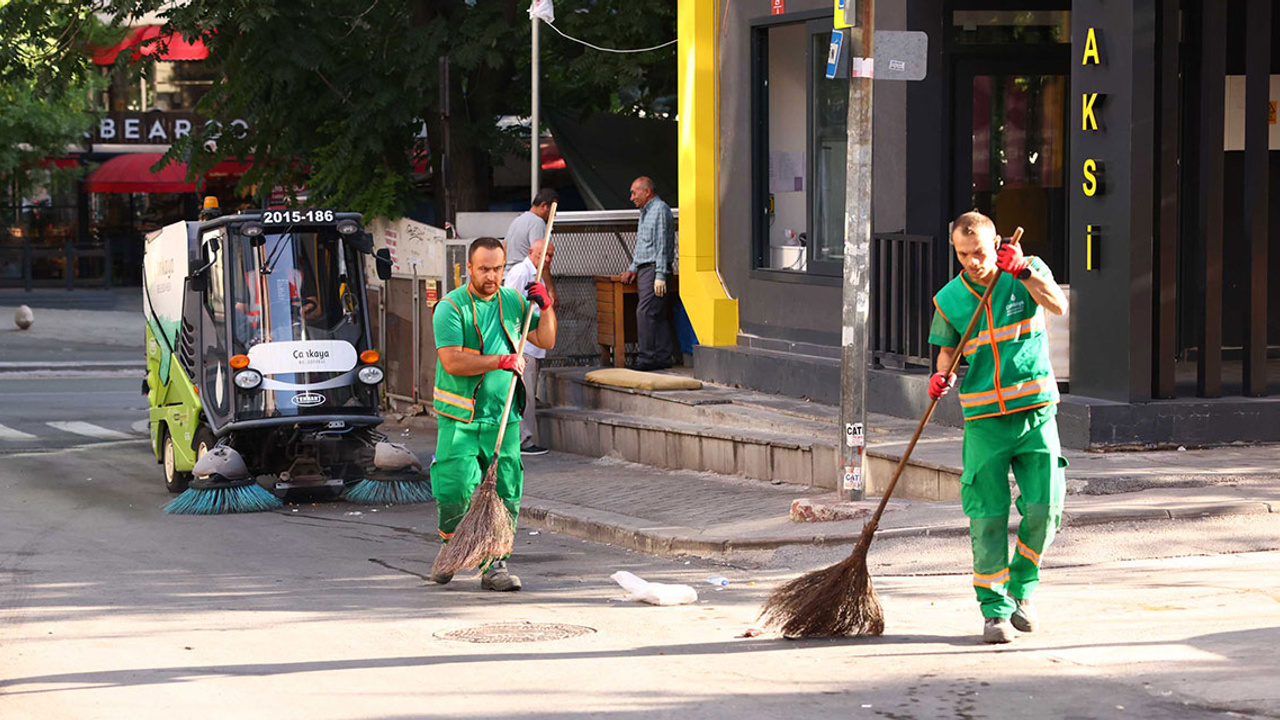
[[477, 332], [1009, 397]]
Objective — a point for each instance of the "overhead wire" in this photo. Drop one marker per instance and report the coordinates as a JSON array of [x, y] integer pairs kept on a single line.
[[609, 50]]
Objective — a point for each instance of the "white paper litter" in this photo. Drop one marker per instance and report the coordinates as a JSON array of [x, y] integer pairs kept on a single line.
[[654, 593]]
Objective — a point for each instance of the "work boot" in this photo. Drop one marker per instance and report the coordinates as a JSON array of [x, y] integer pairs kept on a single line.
[[997, 631], [1024, 616], [440, 578], [498, 578]]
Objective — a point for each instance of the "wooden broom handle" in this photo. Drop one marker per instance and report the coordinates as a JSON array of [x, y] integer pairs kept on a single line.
[[524, 331], [933, 403]]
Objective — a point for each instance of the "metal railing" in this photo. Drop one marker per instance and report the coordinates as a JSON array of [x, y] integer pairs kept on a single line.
[[902, 288], [587, 244]]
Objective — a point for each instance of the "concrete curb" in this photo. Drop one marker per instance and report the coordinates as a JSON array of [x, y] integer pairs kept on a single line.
[[67, 368], [644, 536]]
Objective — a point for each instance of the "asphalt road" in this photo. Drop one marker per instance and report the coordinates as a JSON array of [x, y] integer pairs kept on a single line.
[[110, 609], [50, 413]]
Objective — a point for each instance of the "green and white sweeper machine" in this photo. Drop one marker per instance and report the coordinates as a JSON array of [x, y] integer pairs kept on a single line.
[[262, 377]]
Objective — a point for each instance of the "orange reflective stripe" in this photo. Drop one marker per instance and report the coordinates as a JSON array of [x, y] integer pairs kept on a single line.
[[1028, 553], [1030, 390], [978, 398], [449, 398], [444, 535], [1021, 409], [993, 579], [471, 350], [1031, 387], [1007, 332]]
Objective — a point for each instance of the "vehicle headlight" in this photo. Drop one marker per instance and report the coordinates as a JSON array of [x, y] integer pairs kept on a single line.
[[370, 375], [248, 379]]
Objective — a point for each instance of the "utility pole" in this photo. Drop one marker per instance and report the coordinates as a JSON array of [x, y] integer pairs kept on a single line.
[[854, 354], [535, 138]]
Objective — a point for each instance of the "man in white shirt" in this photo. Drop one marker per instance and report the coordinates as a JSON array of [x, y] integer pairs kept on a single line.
[[519, 276], [529, 226]]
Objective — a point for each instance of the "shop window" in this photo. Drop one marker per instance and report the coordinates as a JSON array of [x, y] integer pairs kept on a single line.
[[37, 220], [799, 153], [180, 85], [168, 86]]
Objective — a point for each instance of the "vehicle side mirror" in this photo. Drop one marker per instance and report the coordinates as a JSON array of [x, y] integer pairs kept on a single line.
[[383, 258], [198, 282]]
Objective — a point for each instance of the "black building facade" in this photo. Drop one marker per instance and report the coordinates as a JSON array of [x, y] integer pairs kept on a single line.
[[1136, 142]]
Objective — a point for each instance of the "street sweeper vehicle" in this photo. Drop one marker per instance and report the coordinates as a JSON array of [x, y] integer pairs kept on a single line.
[[260, 366]]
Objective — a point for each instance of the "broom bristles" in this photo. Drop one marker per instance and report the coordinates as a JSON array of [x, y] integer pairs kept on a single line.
[[833, 602], [486, 533]]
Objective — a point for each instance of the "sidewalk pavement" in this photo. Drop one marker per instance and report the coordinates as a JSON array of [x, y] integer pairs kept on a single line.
[[73, 332], [669, 512]]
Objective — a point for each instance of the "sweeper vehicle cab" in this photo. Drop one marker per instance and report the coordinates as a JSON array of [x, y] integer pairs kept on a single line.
[[260, 364]]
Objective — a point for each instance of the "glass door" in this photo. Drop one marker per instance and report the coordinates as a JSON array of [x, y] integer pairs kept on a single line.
[[1011, 151]]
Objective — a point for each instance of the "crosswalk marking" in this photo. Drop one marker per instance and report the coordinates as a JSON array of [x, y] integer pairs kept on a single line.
[[89, 430], [8, 433], [142, 427]]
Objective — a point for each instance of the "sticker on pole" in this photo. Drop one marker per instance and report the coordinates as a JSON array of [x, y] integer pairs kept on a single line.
[[854, 435], [852, 477], [834, 52], [903, 54]]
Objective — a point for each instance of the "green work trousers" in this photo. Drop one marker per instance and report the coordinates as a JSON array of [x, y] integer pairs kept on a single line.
[[463, 454], [1028, 442]]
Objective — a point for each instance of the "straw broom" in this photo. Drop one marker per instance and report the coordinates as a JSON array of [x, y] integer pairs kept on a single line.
[[841, 600], [487, 531]]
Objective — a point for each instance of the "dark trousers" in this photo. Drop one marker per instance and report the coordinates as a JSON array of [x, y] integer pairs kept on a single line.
[[653, 323]]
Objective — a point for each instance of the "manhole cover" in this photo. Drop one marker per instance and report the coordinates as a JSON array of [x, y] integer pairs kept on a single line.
[[514, 632]]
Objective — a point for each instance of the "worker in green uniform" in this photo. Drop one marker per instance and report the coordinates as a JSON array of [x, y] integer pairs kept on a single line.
[[1009, 398], [477, 332]]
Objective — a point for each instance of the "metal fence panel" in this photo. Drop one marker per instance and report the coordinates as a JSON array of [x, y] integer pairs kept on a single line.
[[399, 334], [901, 299]]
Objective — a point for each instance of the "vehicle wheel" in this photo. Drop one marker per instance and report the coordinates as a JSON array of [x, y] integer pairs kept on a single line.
[[202, 441], [174, 480]]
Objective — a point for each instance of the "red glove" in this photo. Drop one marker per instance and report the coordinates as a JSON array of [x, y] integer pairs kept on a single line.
[[514, 363], [940, 384], [1010, 259], [537, 292]]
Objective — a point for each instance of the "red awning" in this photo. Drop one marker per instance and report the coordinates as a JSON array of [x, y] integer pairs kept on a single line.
[[228, 168], [62, 163], [131, 173], [549, 154], [147, 40]]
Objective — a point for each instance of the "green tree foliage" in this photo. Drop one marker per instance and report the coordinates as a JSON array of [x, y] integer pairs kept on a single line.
[[46, 81], [336, 92]]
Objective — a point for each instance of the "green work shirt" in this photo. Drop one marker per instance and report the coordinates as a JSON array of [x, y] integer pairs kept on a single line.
[[452, 330], [1008, 356]]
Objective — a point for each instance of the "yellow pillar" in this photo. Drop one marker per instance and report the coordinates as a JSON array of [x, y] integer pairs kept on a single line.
[[713, 313]]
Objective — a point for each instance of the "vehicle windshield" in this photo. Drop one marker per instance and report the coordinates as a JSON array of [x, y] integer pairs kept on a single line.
[[310, 292]]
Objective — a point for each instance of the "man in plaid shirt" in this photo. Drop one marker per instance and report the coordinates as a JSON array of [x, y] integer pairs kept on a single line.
[[651, 269]]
